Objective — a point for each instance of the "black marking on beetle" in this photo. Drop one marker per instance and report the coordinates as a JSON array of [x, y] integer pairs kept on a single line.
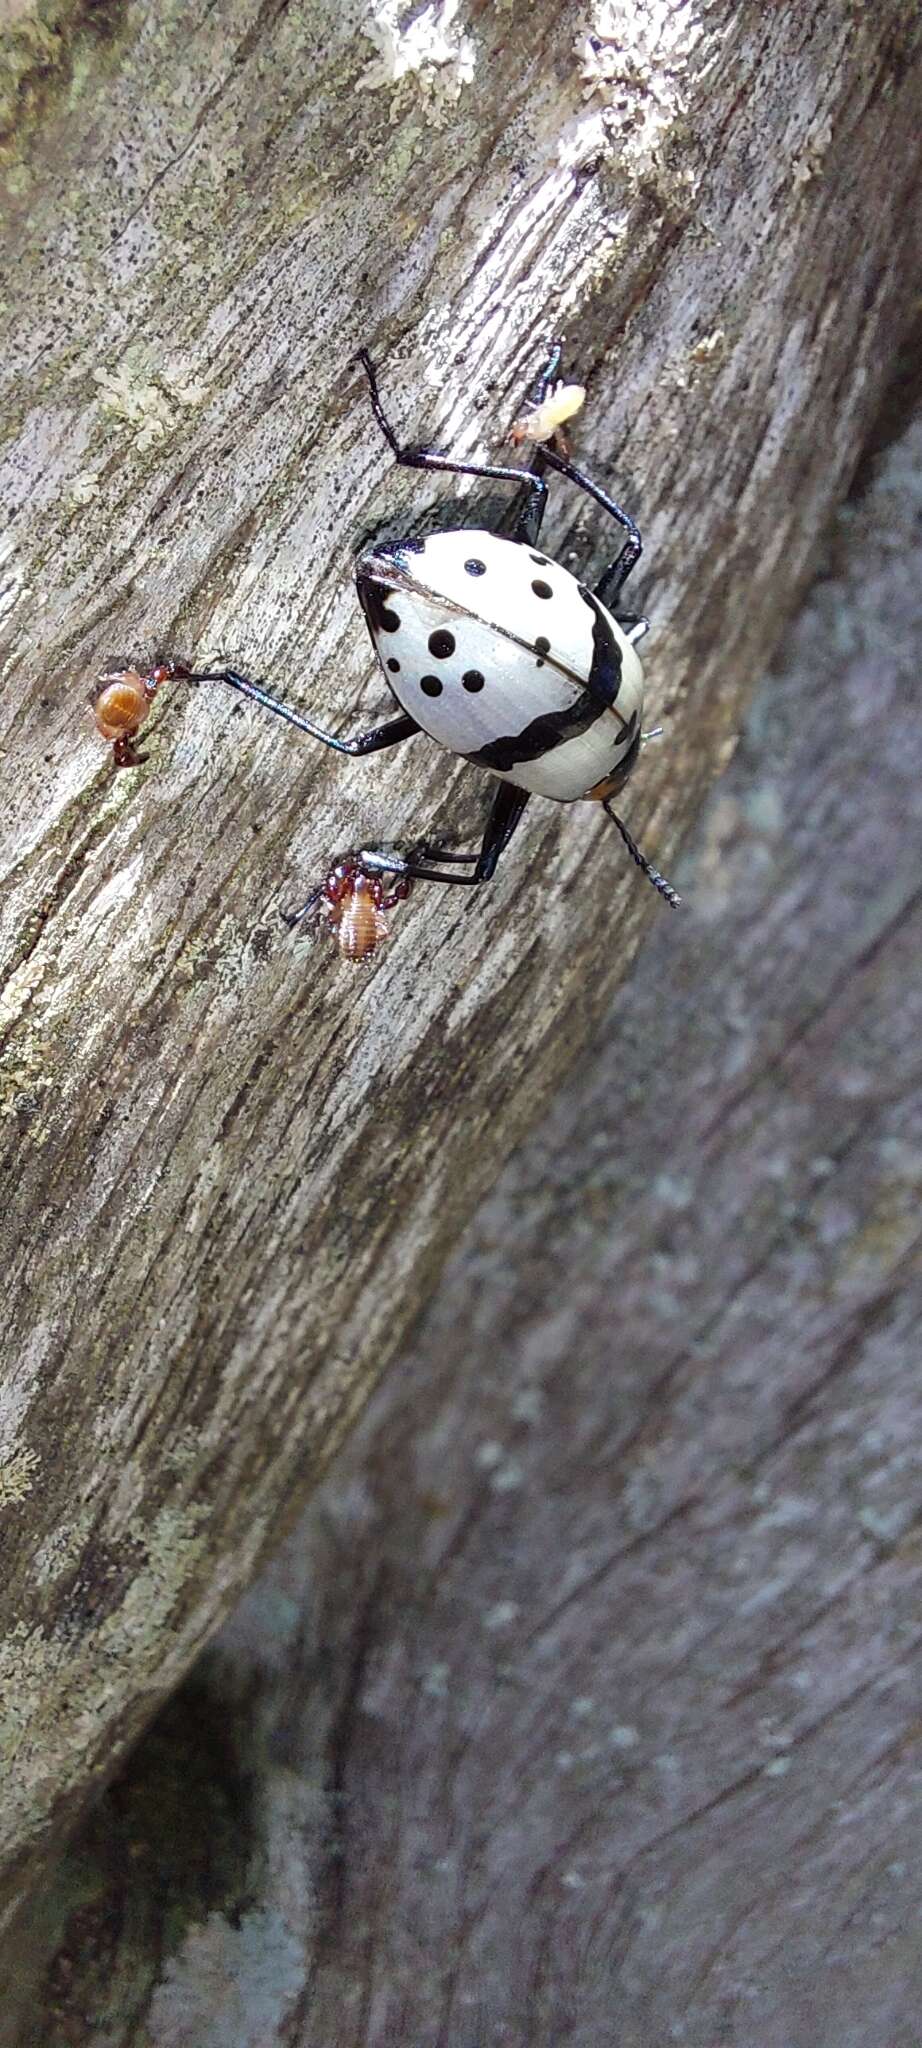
[[441, 644], [390, 621], [373, 600], [542, 647], [430, 686], [374, 587], [472, 679], [394, 666], [605, 673], [475, 568], [540, 559], [541, 589], [540, 737], [622, 769]]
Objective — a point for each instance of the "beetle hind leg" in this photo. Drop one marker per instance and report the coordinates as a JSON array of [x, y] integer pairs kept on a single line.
[[419, 865]]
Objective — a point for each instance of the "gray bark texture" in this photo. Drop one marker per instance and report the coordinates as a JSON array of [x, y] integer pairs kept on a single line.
[[585, 1703], [233, 1167]]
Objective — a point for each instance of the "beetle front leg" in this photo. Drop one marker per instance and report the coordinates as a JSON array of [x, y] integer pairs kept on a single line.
[[610, 583], [430, 458]]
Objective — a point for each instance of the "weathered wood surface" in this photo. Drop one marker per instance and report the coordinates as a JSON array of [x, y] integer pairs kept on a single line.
[[232, 1169], [585, 1704]]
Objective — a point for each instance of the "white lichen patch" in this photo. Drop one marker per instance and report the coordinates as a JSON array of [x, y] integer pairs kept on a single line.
[[84, 487], [528, 1406], [633, 66], [684, 372], [17, 1469], [621, 47], [808, 165], [229, 1983], [709, 349], [501, 1615], [430, 47], [187, 391], [434, 1682], [507, 1477], [62, 1546], [139, 405]]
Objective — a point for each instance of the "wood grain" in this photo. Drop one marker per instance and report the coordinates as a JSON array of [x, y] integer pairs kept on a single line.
[[232, 1168]]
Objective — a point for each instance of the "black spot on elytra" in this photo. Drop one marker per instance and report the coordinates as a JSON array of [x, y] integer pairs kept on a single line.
[[542, 647], [388, 621], [394, 666], [473, 680], [430, 686], [541, 589], [540, 559], [475, 568], [441, 644]]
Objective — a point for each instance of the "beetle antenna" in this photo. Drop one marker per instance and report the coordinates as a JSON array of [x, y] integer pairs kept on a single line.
[[646, 867]]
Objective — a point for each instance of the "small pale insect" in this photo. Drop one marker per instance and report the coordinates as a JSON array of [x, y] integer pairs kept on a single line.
[[352, 905], [543, 421]]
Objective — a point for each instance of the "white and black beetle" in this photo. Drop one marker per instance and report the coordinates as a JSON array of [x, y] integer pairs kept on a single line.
[[499, 654]]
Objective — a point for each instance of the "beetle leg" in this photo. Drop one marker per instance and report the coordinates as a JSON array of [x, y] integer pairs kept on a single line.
[[429, 458], [547, 375], [633, 624], [388, 735], [295, 917], [616, 574], [525, 520], [525, 516], [508, 805]]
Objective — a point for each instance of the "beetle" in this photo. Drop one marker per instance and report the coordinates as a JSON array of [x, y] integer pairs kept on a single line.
[[498, 654]]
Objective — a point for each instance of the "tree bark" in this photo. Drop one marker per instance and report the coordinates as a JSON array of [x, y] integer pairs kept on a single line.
[[233, 1166], [584, 1703]]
